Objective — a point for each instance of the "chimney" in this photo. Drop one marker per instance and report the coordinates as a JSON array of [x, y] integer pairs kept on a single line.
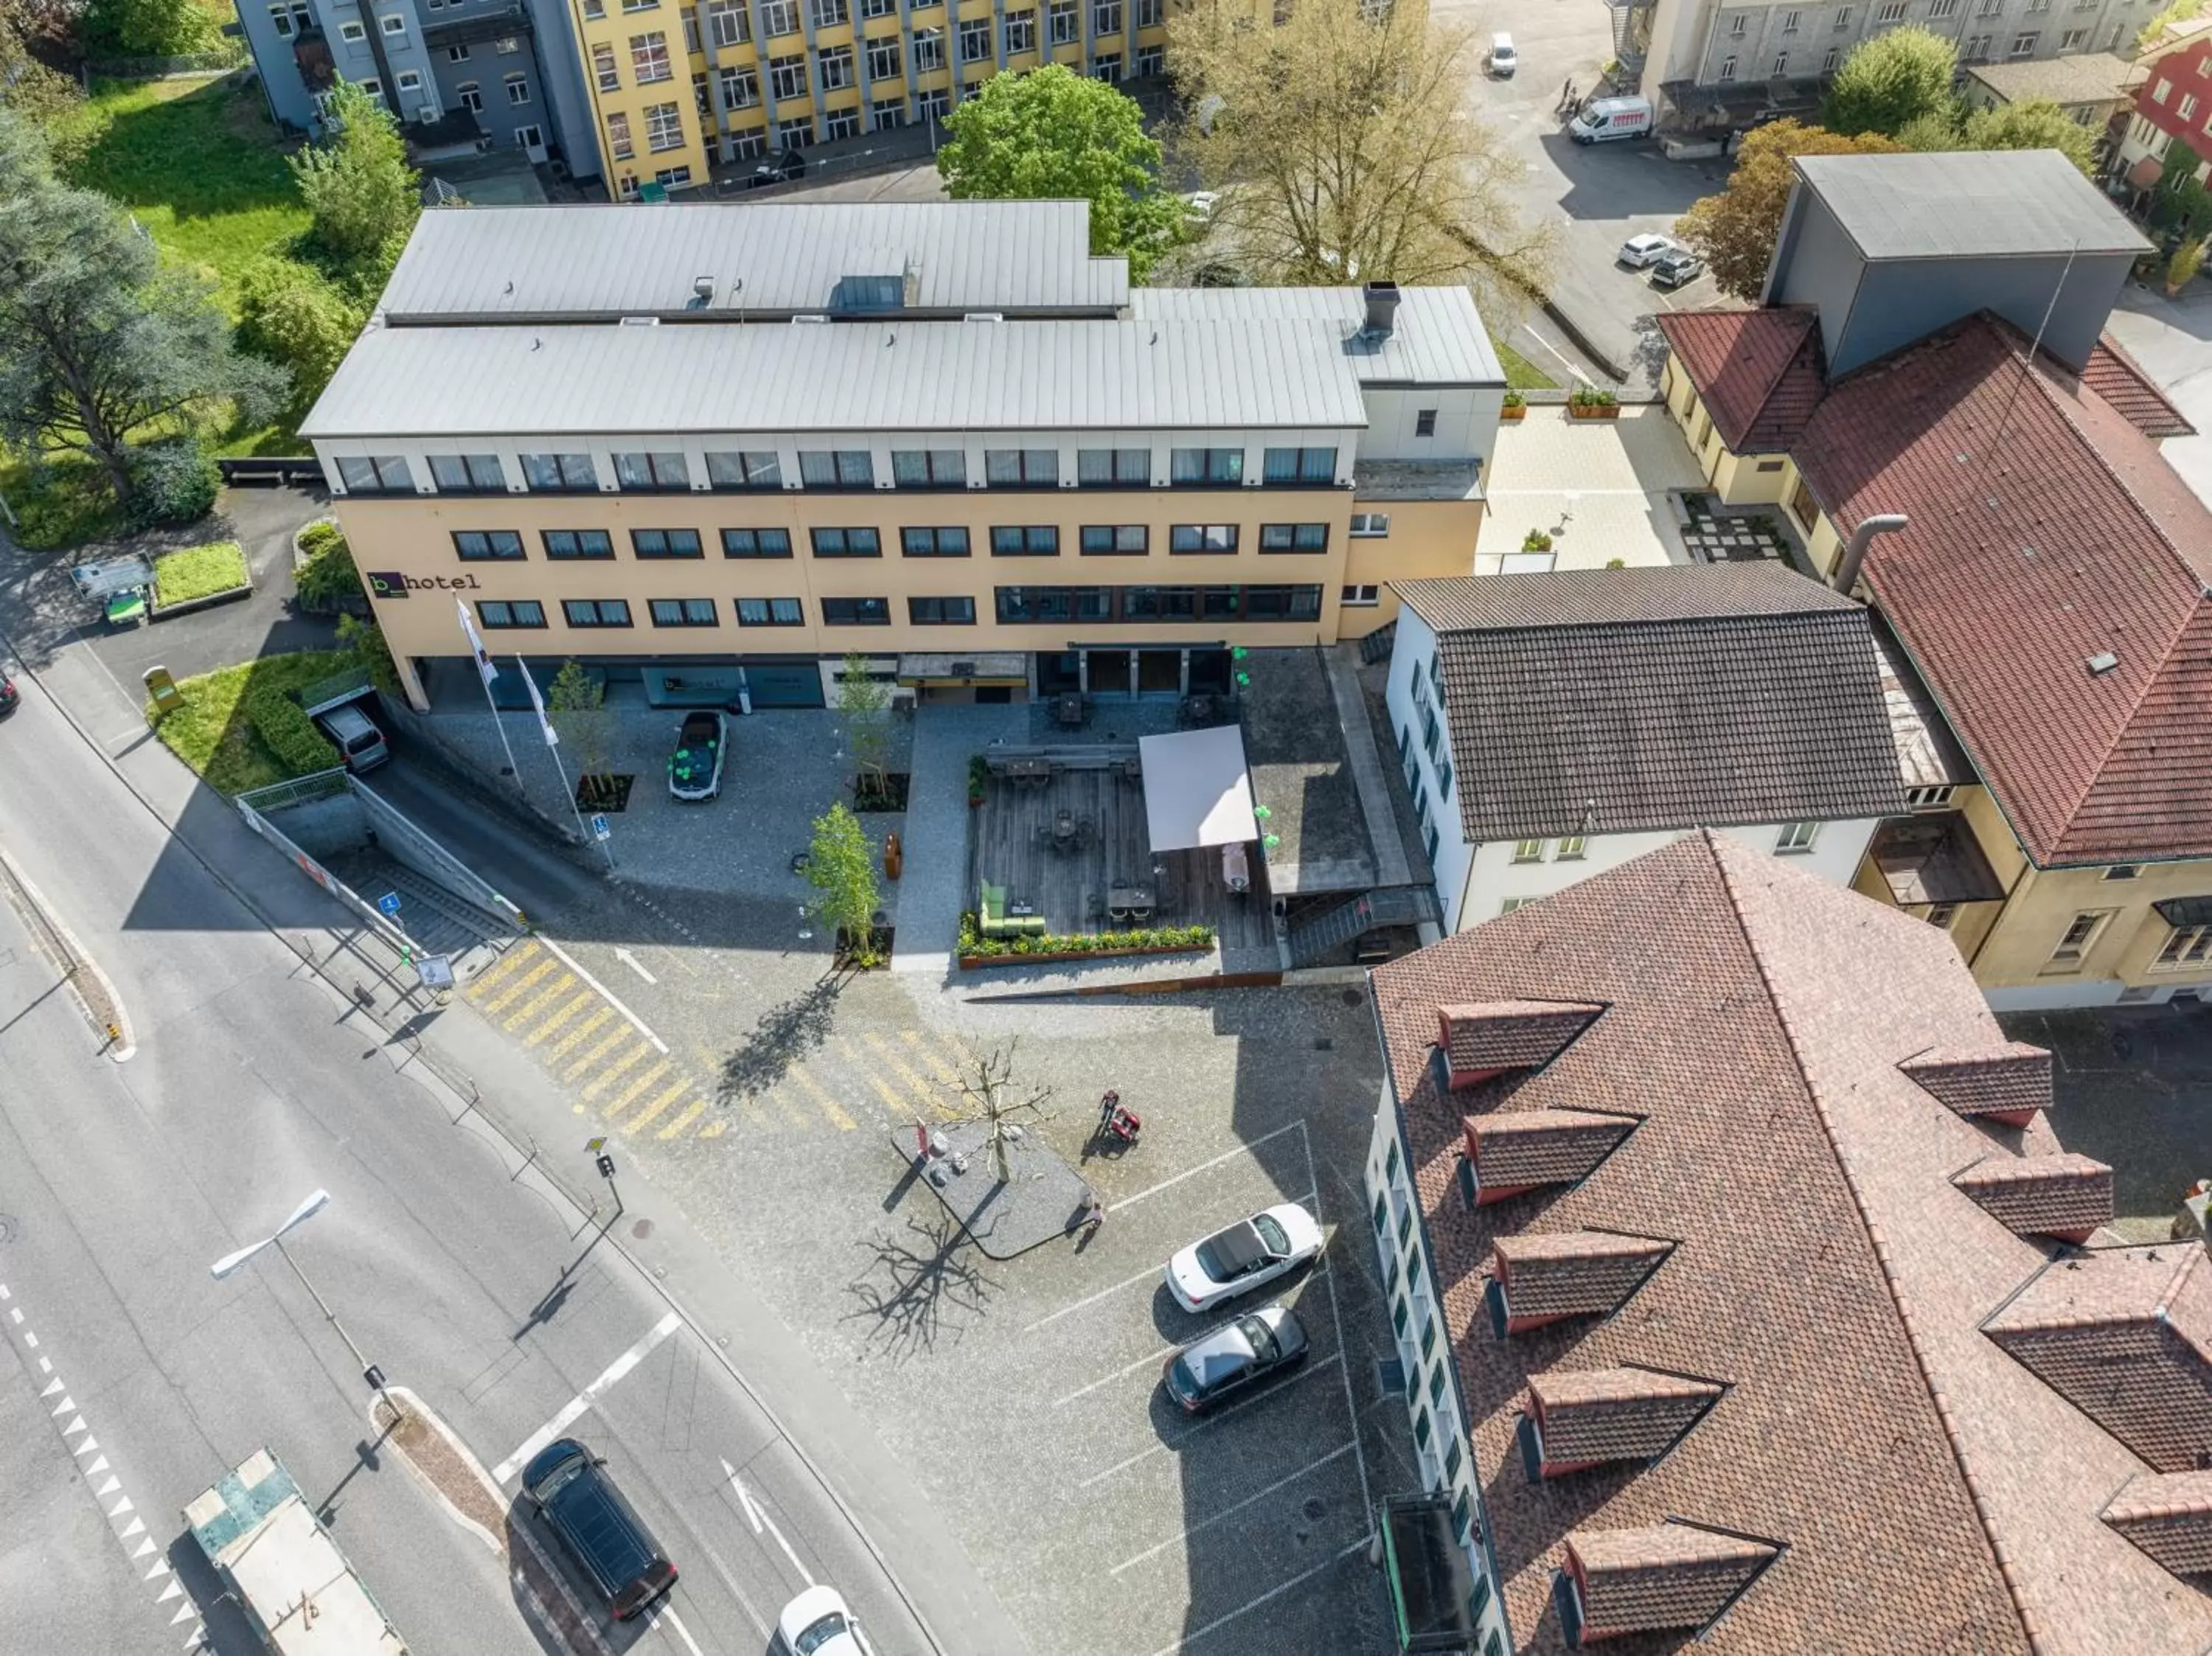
[[1847, 567], [1381, 309]]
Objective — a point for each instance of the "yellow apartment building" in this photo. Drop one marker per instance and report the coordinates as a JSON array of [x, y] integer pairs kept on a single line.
[[711, 451]]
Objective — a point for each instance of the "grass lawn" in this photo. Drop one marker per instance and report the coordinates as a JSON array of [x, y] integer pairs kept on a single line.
[[211, 733], [198, 572], [1520, 374], [65, 506]]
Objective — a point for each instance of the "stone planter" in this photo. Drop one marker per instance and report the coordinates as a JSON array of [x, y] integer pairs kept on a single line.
[[975, 962], [1593, 410]]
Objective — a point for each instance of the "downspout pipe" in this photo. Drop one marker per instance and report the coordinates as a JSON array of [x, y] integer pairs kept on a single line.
[[1847, 567]]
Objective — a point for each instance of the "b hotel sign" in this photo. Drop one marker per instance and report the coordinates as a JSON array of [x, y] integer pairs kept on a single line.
[[391, 584]]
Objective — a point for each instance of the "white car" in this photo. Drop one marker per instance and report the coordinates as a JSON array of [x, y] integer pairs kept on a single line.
[[1250, 1255], [818, 1622], [1200, 204], [1640, 251]]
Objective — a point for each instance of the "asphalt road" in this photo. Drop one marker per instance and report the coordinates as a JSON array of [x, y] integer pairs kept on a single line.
[[251, 1085]]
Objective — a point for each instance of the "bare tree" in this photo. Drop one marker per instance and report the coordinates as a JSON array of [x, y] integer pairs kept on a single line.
[[990, 1091], [908, 1284], [1340, 150]]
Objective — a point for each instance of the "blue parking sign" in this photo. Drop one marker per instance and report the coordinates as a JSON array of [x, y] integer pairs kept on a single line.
[[388, 905], [600, 829]]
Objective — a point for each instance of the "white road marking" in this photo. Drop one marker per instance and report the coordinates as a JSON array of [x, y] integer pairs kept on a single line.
[[759, 1514], [573, 965], [170, 1591], [1153, 1275], [1196, 1634], [1350, 1407], [631, 961], [660, 1614], [30, 1339], [736, 1483], [4, 1294], [46, 1365], [16, 1313], [52, 1387], [73, 1429], [1213, 1419], [585, 1399], [67, 1403], [1203, 1523], [1150, 1357], [1189, 1173]]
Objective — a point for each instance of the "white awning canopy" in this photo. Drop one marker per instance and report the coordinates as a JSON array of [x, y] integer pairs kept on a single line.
[[1198, 791]]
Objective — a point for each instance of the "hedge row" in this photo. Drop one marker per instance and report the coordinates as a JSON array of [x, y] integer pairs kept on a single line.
[[1162, 939], [288, 732]]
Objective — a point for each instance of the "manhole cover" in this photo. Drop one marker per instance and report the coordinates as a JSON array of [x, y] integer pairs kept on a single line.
[[1352, 997], [7, 1227], [1325, 1043], [1315, 1508], [641, 1229]]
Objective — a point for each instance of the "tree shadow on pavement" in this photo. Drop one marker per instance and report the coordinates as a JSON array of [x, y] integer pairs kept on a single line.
[[786, 1034], [908, 1286]]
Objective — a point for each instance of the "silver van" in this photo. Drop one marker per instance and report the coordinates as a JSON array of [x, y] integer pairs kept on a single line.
[[355, 736]]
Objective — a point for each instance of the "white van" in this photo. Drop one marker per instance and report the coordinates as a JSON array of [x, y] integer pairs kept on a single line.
[[1603, 118]]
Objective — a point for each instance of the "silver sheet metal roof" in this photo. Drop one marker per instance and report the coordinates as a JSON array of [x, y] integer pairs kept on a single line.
[[521, 264], [1972, 203], [1436, 338], [931, 376]]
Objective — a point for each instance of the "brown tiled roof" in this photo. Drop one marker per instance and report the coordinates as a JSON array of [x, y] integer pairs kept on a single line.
[[1758, 370], [2047, 529], [1574, 1273], [1509, 1034], [1660, 1576], [1540, 1147], [2003, 1079], [1615, 1414], [1824, 1268], [2066, 1195], [2169, 1516], [2125, 1335], [2116, 377], [1664, 698]]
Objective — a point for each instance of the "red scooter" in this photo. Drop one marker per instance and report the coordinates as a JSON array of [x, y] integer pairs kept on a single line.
[[1117, 1122]]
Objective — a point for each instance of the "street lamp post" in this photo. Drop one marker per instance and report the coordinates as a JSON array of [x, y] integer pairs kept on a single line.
[[231, 1262]]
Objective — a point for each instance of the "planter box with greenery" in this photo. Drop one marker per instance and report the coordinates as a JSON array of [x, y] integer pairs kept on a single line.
[[1515, 408], [194, 577], [1587, 403], [976, 949], [1535, 540]]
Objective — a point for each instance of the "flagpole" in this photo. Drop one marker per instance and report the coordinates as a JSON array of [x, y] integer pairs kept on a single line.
[[553, 747], [487, 672]]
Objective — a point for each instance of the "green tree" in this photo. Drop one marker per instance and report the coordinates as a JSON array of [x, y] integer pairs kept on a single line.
[[366, 640], [864, 701], [49, 100], [2179, 200], [841, 864], [2036, 124], [1890, 81], [2181, 11], [2187, 260], [148, 28], [291, 316], [99, 343], [1734, 231], [1055, 135], [575, 702], [356, 183]]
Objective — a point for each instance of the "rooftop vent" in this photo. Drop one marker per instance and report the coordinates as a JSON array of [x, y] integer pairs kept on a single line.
[[641, 322], [702, 290], [2102, 663], [809, 318], [1381, 309], [984, 316]]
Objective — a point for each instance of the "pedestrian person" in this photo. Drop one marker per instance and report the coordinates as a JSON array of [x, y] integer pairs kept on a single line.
[[1094, 1215]]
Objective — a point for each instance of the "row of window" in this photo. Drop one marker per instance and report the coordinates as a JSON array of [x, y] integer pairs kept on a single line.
[[662, 471], [1014, 604], [949, 541], [729, 24]]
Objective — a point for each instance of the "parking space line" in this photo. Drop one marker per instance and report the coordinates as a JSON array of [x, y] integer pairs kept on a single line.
[[1336, 1318], [1160, 1355], [922, 1088], [622, 1064], [607, 995], [1153, 1275], [584, 1399], [629, 1094], [1273, 1593], [946, 1074], [820, 1094], [1280, 1483], [520, 987], [537, 1003], [652, 1110], [1213, 1419], [1188, 1173], [583, 1033], [544, 1031], [606, 1045], [692, 1111]]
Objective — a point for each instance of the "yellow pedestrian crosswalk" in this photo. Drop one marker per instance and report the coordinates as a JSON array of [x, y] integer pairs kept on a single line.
[[872, 1078]]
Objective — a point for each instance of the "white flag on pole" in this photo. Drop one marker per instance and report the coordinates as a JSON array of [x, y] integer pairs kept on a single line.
[[484, 666], [552, 735]]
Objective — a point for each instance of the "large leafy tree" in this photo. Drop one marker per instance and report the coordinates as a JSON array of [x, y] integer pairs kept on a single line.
[[356, 183], [841, 866], [1055, 135], [1340, 149], [1734, 232], [292, 316], [99, 342], [1890, 81], [49, 100], [149, 28], [2038, 124]]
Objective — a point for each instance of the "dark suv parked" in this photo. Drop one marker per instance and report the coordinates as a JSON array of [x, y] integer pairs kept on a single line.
[[569, 1485], [785, 165]]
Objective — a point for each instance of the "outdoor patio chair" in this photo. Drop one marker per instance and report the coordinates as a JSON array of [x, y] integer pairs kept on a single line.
[[993, 921]]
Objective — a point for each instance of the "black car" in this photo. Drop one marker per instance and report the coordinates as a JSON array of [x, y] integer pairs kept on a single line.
[[570, 1485], [782, 168], [1231, 1358]]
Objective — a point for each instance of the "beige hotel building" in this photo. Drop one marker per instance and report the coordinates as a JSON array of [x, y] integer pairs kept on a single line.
[[709, 450]]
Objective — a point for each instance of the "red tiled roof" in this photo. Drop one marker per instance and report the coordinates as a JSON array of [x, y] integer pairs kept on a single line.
[[2067, 1195], [2169, 1516], [2115, 376], [1758, 370], [2007, 1077], [1510, 1034], [1540, 1147], [1824, 1268], [1589, 1415], [1574, 1273], [1660, 1576]]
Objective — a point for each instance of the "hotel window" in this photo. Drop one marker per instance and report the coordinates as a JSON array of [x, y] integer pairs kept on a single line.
[[744, 468], [883, 61], [604, 69], [856, 612], [786, 76], [1203, 467], [618, 139], [929, 467], [740, 87], [1113, 468], [941, 612], [1265, 603], [946, 542], [1360, 598], [1300, 465], [596, 612], [843, 468], [1021, 32], [2081, 932], [557, 473], [1014, 468], [663, 469], [570, 544], [1062, 20], [837, 63], [685, 612], [770, 612], [1797, 836], [1370, 526], [517, 88], [664, 127], [2188, 946], [1025, 541], [756, 542], [665, 543], [1528, 851], [727, 23], [468, 474], [1054, 604], [929, 54], [488, 545], [779, 17], [1115, 540], [846, 543], [373, 473], [1294, 537], [1202, 538], [501, 613], [975, 39]]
